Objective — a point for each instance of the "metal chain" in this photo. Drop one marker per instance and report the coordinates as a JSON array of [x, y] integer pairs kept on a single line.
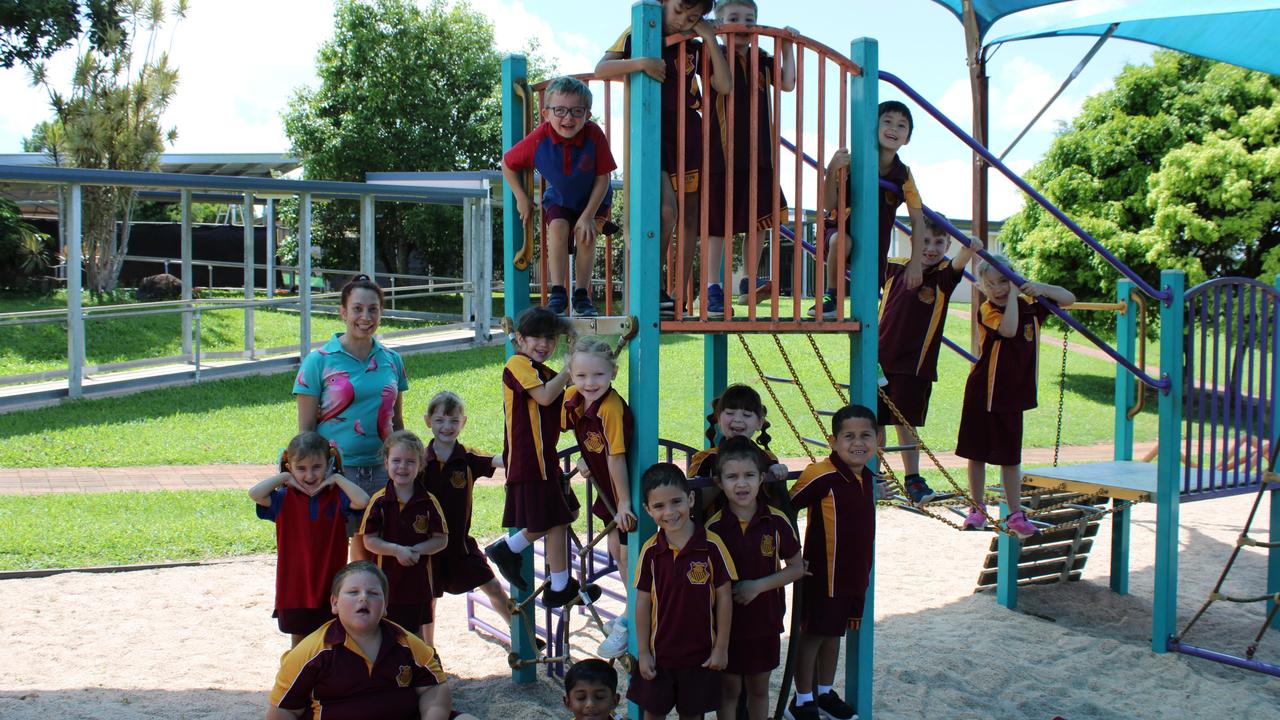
[[781, 408], [795, 378], [1062, 394], [822, 360]]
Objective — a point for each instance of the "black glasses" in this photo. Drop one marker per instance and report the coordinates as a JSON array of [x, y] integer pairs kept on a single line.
[[560, 111]]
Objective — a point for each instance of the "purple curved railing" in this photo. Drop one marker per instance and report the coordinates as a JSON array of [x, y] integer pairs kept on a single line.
[[1013, 177]]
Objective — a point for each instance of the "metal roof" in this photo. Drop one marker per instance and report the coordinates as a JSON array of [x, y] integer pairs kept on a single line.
[[263, 165]]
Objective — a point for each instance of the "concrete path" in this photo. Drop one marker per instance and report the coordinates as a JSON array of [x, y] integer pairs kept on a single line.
[[32, 481]]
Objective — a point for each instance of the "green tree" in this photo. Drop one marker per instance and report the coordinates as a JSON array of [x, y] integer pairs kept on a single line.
[[110, 120], [33, 30], [402, 88], [1177, 166]]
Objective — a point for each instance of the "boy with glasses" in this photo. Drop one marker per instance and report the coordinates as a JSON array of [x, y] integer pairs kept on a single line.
[[573, 157]]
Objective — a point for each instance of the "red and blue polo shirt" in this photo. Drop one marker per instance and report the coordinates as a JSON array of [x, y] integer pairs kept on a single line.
[[329, 673], [569, 166], [682, 583], [311, 544]]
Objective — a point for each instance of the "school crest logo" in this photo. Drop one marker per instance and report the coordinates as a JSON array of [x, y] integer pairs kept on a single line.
[[766, 546], [594, 442], [699, 573], [405, 676], [420, 524], [458, 479], [926, 294], [1029, 331]]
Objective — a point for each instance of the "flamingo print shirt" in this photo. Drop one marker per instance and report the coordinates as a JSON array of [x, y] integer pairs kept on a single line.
[[357, 397]]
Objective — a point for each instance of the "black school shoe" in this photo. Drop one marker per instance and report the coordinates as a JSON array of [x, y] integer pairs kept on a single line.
[[834, 707], [508, 563], [560, 598], [582, 305], [807, 711]]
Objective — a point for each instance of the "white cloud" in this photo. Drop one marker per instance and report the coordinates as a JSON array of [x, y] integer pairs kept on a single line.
[[514, 25], [947, 187]]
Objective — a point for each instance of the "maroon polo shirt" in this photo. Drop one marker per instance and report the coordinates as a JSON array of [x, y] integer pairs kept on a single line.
[[682, 584], [758, 548], [839, 540], [451, 481], [911, 321], [529, 444], [676, 74], [741, 99], [408, 524], [1004, 378], [706, 463], [602, 429], [329, 672]]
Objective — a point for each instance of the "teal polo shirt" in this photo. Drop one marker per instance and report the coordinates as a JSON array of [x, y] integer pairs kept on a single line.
[[357, 397]]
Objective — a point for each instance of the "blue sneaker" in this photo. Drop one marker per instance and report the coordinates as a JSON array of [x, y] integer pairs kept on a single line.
[[763, 286], [582, 305], [558, 300], [715, 301], [918, 490], [828, 308]]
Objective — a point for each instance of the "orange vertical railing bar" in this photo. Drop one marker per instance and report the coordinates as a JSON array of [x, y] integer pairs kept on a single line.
[[705, 273], [798, 203], [775, 234], [728, 125], [608, 239], [821, 256], [751, 248], [682, 103]]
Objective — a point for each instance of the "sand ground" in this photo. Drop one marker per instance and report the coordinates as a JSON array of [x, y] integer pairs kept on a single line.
[[199, 642]]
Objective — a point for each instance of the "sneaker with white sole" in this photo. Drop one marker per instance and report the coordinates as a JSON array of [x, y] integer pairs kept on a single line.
[[1019, 525], [615, 644], [975, 520], [834, 707]]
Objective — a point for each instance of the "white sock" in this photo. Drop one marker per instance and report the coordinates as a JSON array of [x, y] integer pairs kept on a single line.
[[518, 542], [559, 579], [802, 698], [823, 690]]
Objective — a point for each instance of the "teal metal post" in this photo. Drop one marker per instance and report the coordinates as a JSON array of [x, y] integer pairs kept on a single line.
[[864, 190], [1008, 549], [1273, 554], [1126, 329], [515, 299], [1164, 611], [644, 208], [715, 372]]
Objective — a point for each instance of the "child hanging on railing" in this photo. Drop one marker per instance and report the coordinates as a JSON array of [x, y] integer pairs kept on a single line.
[[601, 422], [735, 109], [911, 323], [539, 503], [449, 473], [679, 78], [738, 412], [760, 540], [839, 496], [573, 157], [1001, 386], [893, 130]]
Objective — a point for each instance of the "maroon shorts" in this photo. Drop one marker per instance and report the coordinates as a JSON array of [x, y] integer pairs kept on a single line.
[[692, 149], [753, 655], [558, 212], [459, 571], [691, 691], [301, 621], [829, 232], [741, 203], [410, 616], [828, 616], [994, 438], [537, 506], [910, 394]]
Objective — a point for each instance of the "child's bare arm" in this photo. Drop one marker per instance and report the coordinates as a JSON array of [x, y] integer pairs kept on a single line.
[[721, 80], [621, 490], [261, 492], [787, 63], [724, 617], [966, 254], [278, 713], [402, 553], [644, 652], [435, 702], [838, 166], [747, 590], [616, 65], [915, 266], [432, 545], [1009, 321], [1060, 295], [585, 229], [546, 393], [355, 494], [516, 183]]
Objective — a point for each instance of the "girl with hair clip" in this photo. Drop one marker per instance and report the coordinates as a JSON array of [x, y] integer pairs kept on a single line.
[[351, 389], [601, 422], [738, 412]]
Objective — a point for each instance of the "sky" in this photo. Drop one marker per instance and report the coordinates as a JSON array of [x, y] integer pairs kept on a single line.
[[240, 61]]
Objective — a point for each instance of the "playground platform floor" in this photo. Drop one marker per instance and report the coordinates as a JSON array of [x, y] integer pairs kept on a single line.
[[31, 481]]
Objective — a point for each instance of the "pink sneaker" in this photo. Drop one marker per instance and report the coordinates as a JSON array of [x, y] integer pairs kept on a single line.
[[1019, 525], [975, 520]]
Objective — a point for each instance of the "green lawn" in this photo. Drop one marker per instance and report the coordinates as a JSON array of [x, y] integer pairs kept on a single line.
[[84, 530], [247, 420]]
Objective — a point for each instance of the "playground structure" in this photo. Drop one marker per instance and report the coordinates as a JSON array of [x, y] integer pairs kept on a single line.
[[81, 379], [1217, 341]]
